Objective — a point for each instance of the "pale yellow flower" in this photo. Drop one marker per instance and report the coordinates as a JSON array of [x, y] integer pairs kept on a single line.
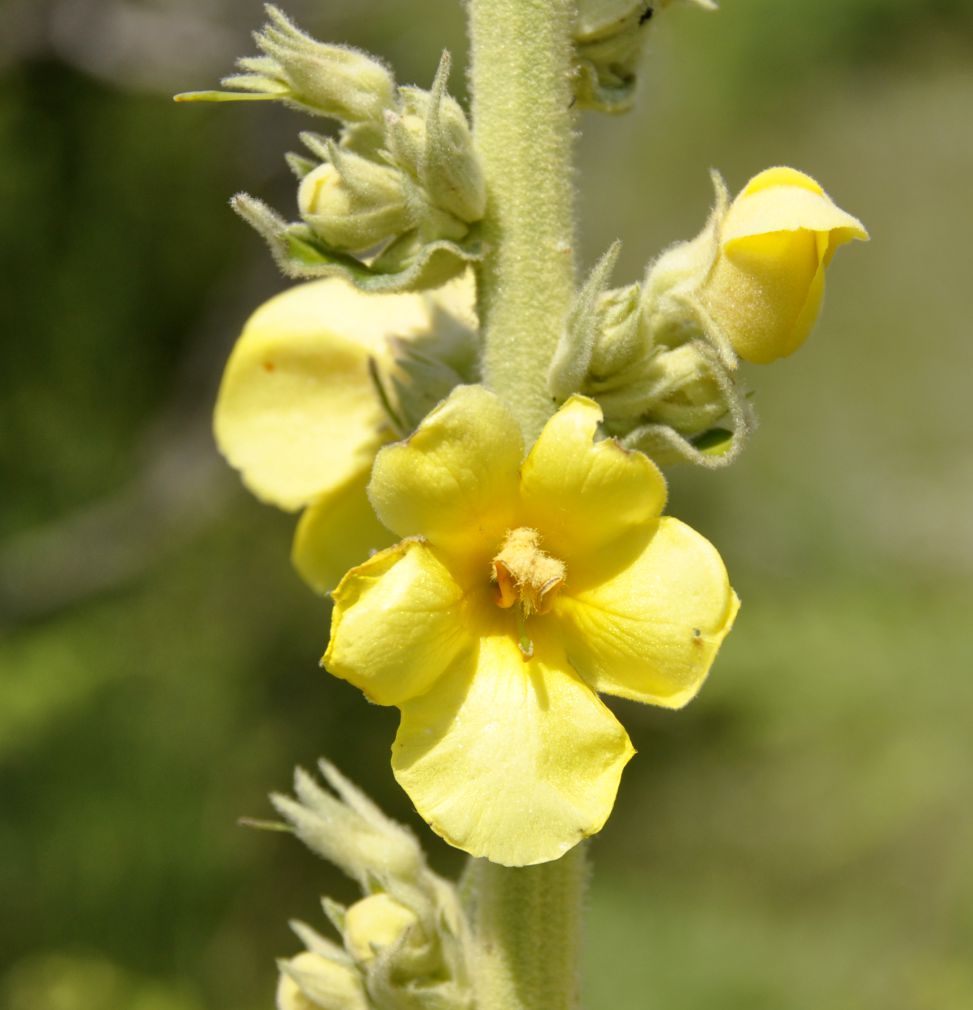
[[523, 587], [765, 287], [298, 415]]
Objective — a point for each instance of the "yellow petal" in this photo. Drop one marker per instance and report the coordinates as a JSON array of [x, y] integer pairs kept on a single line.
[[398, 623], [652, 629], [786, 209], [580, 493], [296, 412], [776, 239], [336, 533], [454, 481], [760, 289], [513, 760], [780, 175]]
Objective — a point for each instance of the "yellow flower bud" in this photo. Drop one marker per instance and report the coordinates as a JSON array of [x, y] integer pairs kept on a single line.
[[354, 203], [677, 387], [375, 922], [765, 287], [312, 981]]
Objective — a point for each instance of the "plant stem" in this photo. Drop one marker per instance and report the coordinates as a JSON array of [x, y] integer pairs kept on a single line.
[[527, 928], [527, 921], [522, 120]]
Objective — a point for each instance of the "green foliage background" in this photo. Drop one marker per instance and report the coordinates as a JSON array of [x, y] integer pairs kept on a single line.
[[800, 837]]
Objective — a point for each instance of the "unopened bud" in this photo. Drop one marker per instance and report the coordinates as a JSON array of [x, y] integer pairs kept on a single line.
[[620, 340], [335, 81], [751, 282], [430, 137], [328, 80], [354, 203], [377, 922], [311, 981], [676, 387], [775, 242]]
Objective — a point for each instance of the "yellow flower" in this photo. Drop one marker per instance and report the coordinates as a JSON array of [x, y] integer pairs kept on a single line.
[[297, 413], [523, 587], [766, 285]]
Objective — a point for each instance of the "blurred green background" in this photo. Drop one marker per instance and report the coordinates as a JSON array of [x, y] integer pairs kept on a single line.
[[800, 837]]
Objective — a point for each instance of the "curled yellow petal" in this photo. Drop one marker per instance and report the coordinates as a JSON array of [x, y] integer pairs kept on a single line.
[[583, 493], [766, 285], [511, 759], [651, 630], [398, 624]]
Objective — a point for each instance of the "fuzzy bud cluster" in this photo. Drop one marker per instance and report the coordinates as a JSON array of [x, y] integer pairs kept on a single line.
[[403, 944], [411, 179], [661, 358], [673, 398], [392, 203], [328, 80]]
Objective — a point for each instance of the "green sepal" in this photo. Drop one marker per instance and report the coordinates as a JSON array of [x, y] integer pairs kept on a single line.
[[665, 446], [335, 913], [225, 96], [318, 944], [451, 170], [572, 357], [263, 825], [406, 265], [678, 422], [299, 165], [713, 449]]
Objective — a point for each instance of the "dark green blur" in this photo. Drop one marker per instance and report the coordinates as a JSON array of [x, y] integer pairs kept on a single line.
[[800, 837]]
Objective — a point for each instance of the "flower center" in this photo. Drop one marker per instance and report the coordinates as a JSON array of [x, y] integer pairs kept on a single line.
[[524, 574]]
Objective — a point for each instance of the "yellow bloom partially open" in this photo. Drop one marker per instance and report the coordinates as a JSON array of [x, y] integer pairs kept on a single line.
[[298, 415], [765, 287], [523, 587]]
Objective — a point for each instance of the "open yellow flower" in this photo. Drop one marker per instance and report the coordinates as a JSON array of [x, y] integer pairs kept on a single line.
[[523, 587], [298, 415], [767, 282]]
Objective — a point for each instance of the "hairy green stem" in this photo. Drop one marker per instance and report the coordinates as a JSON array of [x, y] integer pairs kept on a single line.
[[527, 925], [527, 922], [522, 122]]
